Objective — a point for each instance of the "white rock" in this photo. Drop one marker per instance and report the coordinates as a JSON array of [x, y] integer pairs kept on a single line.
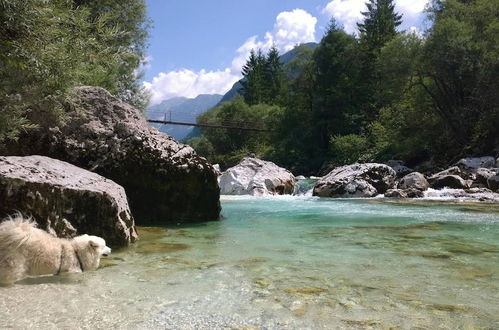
[[257, 177], [357, 180]]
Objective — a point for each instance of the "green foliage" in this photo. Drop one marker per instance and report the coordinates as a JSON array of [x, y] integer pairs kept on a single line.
[[384, 95], [379, 24], [262, 77], [348, 149], [228, 146], [337, 72], [48, 47], [202, 146], [460, 65]]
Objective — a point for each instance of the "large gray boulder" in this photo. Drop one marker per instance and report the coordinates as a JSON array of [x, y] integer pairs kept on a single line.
[[165, 180], [256, 177], [449, 181], [450, 178], [474, 163], [357, 180], [65, 200], [414, 180]]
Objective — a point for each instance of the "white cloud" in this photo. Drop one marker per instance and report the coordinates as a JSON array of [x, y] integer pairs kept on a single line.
[[348, 12], [290, 28], [189, 84]]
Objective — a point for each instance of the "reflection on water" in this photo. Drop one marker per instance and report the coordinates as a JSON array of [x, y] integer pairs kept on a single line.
[[287, 262]]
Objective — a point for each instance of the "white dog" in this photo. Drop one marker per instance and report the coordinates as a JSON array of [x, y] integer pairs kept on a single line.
[[26, 251]]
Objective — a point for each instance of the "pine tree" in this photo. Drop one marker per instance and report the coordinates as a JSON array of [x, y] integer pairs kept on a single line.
[[262, 77], [379, 25], [274, 75]]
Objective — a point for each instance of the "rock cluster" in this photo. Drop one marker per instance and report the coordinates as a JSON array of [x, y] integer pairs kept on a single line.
[[357, 180], [256, 177], [165, 181], [65, 200], [474, 177]]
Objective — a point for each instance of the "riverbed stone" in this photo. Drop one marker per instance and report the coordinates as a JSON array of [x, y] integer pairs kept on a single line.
[[165, 181], [399, 167], [253, 176], [454, 170], [449, 178], [357, 180], [483, 174], [404, 193], [474, 163], [493, 183], [414, 180], [449, 181], [65, 200]]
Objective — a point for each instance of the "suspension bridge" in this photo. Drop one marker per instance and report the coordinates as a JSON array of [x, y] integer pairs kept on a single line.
[[170, 118]]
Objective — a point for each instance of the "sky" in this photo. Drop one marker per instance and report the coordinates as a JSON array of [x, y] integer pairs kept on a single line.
[[198, 47]]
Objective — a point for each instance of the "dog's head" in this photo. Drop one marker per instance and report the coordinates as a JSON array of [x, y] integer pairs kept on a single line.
[[91, 249], [99, 244]]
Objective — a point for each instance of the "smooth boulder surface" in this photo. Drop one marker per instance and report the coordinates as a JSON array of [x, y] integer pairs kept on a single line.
[[414, 180], [165, 181], [357, 180], [449, 178], [256, 177], [449, 181], [65, 200]]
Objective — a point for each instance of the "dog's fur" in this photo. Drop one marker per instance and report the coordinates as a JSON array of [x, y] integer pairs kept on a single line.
[[27, 251]]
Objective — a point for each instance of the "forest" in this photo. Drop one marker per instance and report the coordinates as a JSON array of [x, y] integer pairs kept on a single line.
[[379, 95]]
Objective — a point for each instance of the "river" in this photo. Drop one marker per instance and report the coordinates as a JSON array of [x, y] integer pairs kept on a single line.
[[295, 262]]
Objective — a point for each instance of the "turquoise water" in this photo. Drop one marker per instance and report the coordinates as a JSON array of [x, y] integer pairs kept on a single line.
[[287, 263]]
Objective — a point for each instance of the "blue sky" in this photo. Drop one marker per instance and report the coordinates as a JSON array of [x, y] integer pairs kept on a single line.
[[198, 47]]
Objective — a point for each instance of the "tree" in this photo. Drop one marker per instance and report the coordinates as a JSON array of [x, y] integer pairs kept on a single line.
[[262, 77], [254, 78], [377, 28], [379, 25], [274, 76], [49, 47], [460, 69], [337, 93], [230, 145]]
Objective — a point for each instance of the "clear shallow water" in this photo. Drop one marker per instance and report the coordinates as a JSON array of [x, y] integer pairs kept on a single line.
[[287, 263]]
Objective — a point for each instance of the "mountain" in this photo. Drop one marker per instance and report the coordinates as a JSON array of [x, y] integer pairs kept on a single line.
[[284, 59], [181, 109]]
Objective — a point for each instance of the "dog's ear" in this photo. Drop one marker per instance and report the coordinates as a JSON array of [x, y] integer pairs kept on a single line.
[[93, 243]]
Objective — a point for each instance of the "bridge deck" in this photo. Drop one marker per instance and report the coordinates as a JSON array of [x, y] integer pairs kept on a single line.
[[243, 128]]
